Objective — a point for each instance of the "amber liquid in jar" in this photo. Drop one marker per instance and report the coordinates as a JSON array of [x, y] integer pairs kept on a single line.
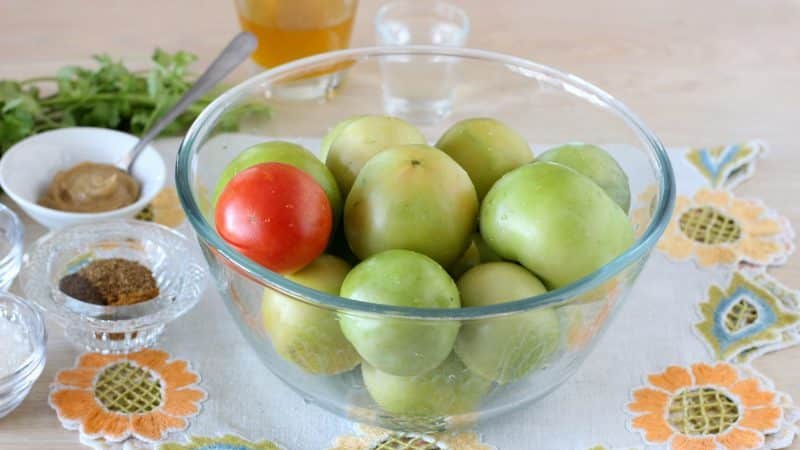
[[293, 29]]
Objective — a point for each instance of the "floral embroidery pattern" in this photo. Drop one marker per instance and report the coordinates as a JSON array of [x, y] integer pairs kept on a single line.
[[742, 316], [127, 444], [227, 442], [716, 228], [643, 211], [790, 301], [603, 447], [370, 438], [705, 407], [727, 165], [116, 397], [789, 298], [590, 313], [790, 427]]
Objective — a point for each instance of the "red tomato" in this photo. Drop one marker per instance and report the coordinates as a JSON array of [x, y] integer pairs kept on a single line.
[[276, 215]]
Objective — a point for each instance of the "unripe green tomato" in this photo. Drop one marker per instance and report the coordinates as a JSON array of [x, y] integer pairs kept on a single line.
[[307, 335], [486, 253], [338, 246], [556, 222], [412, 197], [393, 345], [469, 259], [287, 153], [486, 148], [327, 141], [477, 253], [446, 390], [596, 164], [363, 138], [505, 348]]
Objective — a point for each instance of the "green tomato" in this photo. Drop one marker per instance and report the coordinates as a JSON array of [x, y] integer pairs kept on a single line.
[[412, 197], [393, 345], [477, 252], [363, 138], [338, 246], [327, 141], [598, 165], [307, 335], [469, 259], [505, 348], [484, 251], [556, 222], [287, 153], [446, 390], [486, 148]]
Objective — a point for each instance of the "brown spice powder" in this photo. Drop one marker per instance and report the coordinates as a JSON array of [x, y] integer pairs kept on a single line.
[[121, 281], [77, 286]]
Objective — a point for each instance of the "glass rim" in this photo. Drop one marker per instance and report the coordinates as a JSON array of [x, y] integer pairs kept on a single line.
[[37, 335], [205, 122], [16, 236], [427, 7]]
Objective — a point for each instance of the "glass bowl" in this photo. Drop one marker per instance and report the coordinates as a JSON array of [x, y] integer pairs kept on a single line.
[[12, 236], [546, 106], [16, 383], [114, 329]]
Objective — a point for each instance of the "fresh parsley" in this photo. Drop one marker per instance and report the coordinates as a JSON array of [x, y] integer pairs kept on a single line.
[[110, 96]]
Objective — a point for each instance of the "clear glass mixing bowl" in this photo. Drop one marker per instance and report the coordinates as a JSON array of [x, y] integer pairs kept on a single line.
[[546, 106]]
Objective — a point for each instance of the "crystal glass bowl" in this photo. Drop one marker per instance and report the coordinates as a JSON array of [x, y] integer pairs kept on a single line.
[[546, 106], [27, 321], [114, 329], [12, 238]]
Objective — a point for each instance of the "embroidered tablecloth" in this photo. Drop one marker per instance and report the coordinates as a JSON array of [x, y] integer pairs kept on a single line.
[[672, 371]]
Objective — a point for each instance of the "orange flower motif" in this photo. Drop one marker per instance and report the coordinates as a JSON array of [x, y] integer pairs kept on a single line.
[[580, 334], [114, 397], [584, 328], [715, 228], [643, 212], [371, 438], [705, 407]]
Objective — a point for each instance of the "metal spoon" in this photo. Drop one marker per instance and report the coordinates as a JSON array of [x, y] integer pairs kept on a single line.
[[234, 54]]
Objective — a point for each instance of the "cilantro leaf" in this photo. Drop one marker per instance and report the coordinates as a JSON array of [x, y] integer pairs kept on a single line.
[[109, 96]]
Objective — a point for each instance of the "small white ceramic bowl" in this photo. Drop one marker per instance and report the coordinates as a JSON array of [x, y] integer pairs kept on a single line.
[[28, 167]]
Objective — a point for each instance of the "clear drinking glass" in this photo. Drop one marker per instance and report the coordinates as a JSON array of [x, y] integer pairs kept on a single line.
[[292, 29], [12, 234], [420, 87]]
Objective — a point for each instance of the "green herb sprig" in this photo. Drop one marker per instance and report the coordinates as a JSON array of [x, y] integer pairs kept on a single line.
[[110, 96]]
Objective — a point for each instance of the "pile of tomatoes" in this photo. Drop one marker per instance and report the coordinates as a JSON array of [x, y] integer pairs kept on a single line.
[[383, 217]]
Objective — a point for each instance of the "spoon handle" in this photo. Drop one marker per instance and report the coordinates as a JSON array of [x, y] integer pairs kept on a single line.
[[236, 51]]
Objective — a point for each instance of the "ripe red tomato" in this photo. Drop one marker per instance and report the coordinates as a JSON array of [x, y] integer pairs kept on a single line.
[[276, 215]]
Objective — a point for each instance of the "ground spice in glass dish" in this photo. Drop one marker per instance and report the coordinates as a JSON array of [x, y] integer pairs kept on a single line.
[[111, 282], [79, 287]]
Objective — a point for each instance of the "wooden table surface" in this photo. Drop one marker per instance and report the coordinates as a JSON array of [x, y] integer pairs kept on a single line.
[[699, 73]]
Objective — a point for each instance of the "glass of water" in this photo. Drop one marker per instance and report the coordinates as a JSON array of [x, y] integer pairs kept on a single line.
[[12, 235], [414, 22]]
